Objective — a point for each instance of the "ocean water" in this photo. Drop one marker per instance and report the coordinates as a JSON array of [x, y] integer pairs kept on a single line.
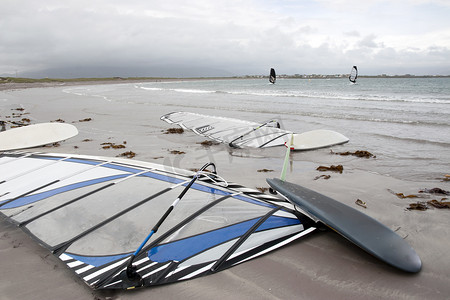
[[404, 122]]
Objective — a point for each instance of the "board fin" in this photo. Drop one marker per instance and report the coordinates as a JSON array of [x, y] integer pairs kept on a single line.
[[289, 147]]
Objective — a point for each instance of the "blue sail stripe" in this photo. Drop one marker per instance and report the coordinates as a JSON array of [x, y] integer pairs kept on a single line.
[[40, 196], [161, 177], [97, 261], [183, 249], [94, 162]]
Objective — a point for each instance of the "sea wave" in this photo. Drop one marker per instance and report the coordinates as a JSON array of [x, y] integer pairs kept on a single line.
[[311, 94], [149, 88], [192, 91], [83, 92], [331, 113], [414, 140], [178, 90]]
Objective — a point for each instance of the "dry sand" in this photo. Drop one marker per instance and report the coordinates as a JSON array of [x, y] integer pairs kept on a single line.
[[321, 266]]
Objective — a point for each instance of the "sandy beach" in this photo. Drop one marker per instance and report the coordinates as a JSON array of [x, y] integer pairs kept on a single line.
[[321, 266]]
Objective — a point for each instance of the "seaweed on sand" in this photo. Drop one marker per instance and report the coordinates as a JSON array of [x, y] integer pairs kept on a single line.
[[333, 168], [208, 143], [176, 152], [112, 145], [265, 170], [174, 131], [128, 154], [357, 153]]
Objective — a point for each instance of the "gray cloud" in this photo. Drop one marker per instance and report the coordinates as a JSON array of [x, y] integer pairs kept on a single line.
[[205, 38]]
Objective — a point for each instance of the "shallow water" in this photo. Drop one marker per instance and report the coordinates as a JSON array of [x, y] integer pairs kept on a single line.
[[405, 122]]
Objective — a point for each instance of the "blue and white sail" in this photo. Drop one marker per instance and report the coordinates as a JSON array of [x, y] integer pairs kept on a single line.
[[94, 212]]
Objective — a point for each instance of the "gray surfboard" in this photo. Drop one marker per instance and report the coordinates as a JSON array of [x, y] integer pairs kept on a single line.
[[360, 229]]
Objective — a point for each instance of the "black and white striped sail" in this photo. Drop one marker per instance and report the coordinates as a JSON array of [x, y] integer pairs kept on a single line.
[[353, 74], [94, 212]]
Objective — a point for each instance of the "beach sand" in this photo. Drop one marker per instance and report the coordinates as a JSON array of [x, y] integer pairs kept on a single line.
[[322, 265]]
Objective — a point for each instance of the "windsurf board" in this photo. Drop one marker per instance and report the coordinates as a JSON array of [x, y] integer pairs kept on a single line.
[[362, 230], [316, 139], [35, 135]]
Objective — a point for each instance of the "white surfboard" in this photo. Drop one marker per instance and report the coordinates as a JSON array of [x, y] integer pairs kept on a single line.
[[36, 135], [316, 139]]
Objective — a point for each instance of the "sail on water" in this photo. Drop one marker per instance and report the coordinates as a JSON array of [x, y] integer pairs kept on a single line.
[[93, 213], [353, 74], [272, 76]]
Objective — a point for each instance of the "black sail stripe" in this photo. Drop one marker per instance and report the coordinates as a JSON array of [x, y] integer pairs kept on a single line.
[[226, 264], [37, 188], [246, 190], [241, 240], [29, 192], [262, 146], [24, 223], [252, 252], [161, 275], [187, 271], [60, 248], [55, 181], [182, 223], [143, 253]]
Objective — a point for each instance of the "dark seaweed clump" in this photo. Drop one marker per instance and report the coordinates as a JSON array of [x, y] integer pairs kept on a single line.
[[424, 205], [208, 143], [176, 152], [265, 170], [333, 168], [113, 146], [128, 154], [357, 153], [174, 131]]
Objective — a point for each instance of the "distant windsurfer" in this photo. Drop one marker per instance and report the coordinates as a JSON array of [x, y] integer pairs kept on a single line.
[[272, 76], [353, 74]]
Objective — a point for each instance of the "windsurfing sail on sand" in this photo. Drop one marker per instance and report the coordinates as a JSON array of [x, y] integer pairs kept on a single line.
[[239, 133], [272, 76], [94, 212], [353, 74]]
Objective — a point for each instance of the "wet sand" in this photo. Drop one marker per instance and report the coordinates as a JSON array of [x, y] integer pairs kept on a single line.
[[322, 265]]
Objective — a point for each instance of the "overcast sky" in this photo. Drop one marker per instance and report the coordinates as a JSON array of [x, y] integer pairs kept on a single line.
[[223, 37]]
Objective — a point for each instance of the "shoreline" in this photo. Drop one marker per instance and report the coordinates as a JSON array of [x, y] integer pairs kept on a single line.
[[24, 83], [47, 83]]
